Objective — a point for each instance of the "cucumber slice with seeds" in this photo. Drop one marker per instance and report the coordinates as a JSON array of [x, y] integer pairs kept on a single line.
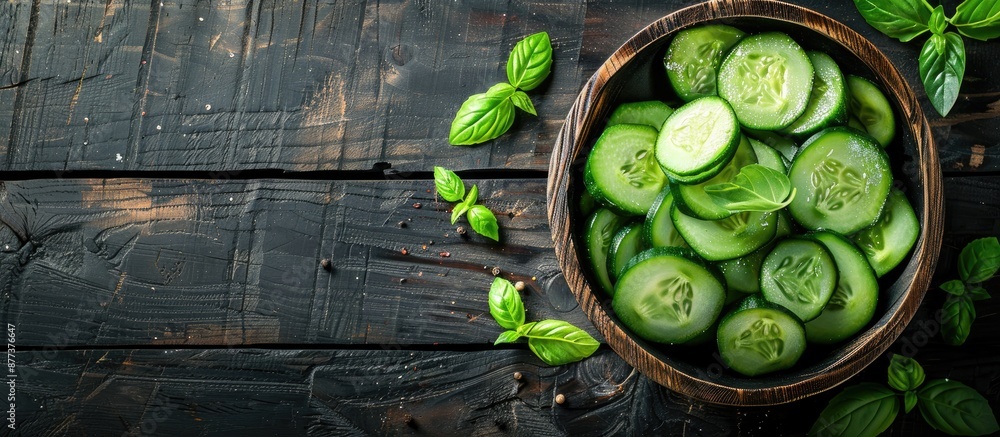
[[760, 337], [767, 79], [698, 137], [621, 171], [889, 240], [828, 100], [852, 304], [800, 275], [693, 58], [871, 109], [731, 237]]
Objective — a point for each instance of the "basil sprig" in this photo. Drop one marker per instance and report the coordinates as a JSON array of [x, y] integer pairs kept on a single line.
[[486, 116], [942, 58], [451, 188], [978, 261], [868, 409], [556, 342]]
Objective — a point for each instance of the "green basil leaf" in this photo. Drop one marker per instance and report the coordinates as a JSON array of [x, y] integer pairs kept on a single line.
[[954, 287], [942, 71], [865, 409], [459, 209], [530, 61], [507, 337], [484, 222], [979, 260], [938, 22], [905, 373], [506, 306], [558, 342], [978, 19], [483, 117], [472, 197], [522, 101], [755, 188], [449, 186], [956, 409], [958, 314], [909, 401], [900, 19], [977, 293]]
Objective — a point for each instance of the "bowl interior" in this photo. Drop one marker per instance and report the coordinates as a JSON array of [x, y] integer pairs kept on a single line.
[[635, 73]]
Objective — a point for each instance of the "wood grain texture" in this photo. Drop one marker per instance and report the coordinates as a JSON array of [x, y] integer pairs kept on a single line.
[[174, 262], [626, 75]]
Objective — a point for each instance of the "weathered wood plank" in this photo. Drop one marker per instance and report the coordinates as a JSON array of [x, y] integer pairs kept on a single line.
[[124, 261], [394, 392], [15, 22]]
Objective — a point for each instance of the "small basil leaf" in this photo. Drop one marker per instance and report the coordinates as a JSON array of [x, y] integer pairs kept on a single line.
[[530, 61], [449, 186], [472, 197], [900, 19], [558, 342], [938, 22], [507, 337], [506, 306], [755, 188], [909, 401], [522, 101], [956, 409], [459, 209], [482, 117], [958, 314], [979, 260], [501, 90], [978, 19], [484, 222], [905, 373], [978, 293], [954, 287], [942, 71], [865, 409]]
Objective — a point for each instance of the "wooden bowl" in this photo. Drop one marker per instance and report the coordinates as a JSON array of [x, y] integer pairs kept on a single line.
[[634, 72]]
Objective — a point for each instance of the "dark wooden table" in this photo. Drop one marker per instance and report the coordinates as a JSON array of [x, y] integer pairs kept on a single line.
[[174, 172]]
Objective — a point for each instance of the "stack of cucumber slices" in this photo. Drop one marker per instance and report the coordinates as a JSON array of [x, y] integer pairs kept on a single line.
[[683, 267]]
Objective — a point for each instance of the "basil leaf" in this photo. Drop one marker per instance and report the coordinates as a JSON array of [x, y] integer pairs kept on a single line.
[[755, 188], [865, 409], [979, 260], [957, 317], [900, 19], [522, 101], [978, 19], [956, 409], [909, 401], [954, 287], [558, 342], [449, 186], [507, 337], [530, 61], [483, 117], [506, 306], [942, 67], [905, 373], [472, 197], [458, 210], [938, 22], [484, 222], [977, 293]]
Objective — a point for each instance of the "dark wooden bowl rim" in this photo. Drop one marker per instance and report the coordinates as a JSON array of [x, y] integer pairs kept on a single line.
[[848, 359]]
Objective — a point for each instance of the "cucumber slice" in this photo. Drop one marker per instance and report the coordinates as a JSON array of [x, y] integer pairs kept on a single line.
[[602, 226], [800, 275], [759, 337], [621, 170], [853, 302], [743, 274], [626, 244], [889, 240], [731, 237], [698, 137], [650, 113], [659, 227], [842, 178], [871, 108], [784, 145], [828, 100], [694, 201], [693, 58], [767, 79], [667, 297], [768, 156]]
